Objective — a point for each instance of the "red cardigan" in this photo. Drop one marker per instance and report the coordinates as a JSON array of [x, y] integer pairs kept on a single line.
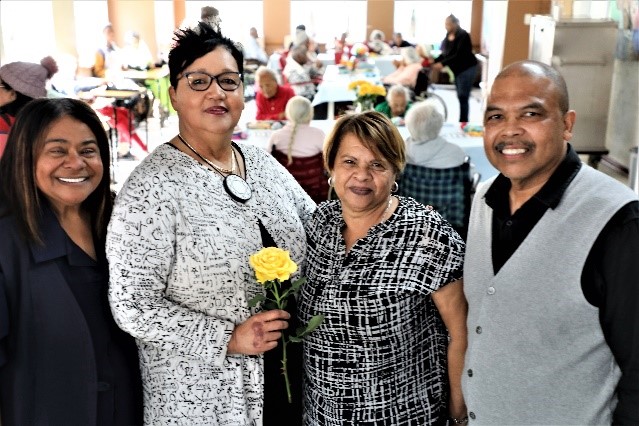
[[270, 108]]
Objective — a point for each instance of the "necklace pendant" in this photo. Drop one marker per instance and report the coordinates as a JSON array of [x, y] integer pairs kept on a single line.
[[237, 188]]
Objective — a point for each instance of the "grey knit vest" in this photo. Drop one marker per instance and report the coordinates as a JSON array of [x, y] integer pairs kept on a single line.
[[536, 351]]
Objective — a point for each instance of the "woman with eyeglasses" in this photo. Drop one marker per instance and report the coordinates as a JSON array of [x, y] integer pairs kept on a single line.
[[183, 227]]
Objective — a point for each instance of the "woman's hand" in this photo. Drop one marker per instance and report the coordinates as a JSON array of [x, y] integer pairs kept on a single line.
[[259, 333]]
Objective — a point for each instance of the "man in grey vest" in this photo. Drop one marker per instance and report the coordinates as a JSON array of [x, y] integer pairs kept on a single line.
[[551, 272]]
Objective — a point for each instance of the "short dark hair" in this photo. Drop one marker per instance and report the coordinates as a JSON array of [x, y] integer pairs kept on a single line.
[[376, 132], [19, 194], [453, 19], [193, 43]]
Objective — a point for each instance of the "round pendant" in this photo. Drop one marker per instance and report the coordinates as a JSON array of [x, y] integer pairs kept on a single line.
[[237, 188]]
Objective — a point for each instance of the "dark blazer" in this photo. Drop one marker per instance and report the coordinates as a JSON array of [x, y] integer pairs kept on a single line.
[[48, 372]]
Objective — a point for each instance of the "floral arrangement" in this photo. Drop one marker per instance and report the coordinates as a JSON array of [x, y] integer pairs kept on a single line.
[[366, 92], [359, 50], [273, 268]]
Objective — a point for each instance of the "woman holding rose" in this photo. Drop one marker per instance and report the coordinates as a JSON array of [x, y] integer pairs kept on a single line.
[[386, 273], [183, 228]]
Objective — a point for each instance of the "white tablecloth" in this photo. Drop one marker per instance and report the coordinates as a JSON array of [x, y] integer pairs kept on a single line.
[[334, 85], [384, 63], [473, 146]]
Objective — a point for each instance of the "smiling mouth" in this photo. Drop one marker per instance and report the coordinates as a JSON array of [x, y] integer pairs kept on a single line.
[[73, 180], [217, 110], [518, 148], [360, 190], [513, 151]]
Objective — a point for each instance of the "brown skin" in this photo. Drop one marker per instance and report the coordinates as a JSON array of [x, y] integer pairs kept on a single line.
[[525, 131]]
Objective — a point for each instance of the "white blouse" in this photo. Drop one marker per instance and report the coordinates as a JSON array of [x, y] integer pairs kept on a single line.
[[178, 249]]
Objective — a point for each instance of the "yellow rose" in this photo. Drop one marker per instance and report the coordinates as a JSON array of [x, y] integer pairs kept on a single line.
[[272, 263]]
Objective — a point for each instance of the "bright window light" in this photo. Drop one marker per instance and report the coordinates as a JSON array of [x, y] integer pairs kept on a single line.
[[423, 21]]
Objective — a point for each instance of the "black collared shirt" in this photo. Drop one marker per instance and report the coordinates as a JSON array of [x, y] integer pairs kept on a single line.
[[610, 277]]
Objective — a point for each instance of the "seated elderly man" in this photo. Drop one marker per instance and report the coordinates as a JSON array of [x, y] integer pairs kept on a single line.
[[424, 146], [271, 98], [407, 69], [300, 73], [253, 51], [396, 104]]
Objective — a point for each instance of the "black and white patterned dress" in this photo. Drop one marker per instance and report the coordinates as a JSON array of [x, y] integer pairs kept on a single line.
[[178, 249], [379, 357]]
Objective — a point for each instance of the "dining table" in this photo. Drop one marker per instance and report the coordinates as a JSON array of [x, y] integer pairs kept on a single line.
[[472, 145], [334, 85], [384, 63]]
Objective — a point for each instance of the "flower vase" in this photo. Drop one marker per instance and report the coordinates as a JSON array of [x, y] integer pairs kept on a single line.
[[364, 105]]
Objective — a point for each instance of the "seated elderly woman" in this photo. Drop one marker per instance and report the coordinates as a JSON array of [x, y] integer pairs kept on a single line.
[[424, 146], [407, 70], [271, 98], [298, 147], [377, 43], [396, 104]]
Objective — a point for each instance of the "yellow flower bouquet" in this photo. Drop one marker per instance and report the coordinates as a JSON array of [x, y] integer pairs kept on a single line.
[[366, 93], [273, 268]]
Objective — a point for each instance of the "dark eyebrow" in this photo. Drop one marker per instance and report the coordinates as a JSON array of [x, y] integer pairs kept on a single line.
[[534, 105]]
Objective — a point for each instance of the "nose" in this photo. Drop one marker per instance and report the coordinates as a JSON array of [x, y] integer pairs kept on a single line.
[[362, 173], [512, 127], [74, 160], [215, 90]]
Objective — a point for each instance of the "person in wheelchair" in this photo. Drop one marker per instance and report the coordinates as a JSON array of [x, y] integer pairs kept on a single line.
[[425, 147], [398, 101]]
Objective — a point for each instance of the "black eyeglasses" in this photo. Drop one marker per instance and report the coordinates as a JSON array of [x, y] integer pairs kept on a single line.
[[200, 81]]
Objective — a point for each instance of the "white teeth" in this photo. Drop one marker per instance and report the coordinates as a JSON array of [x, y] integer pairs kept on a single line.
[[73, 180], [512, 151]]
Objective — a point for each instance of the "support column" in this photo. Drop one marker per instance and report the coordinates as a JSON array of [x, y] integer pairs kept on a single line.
[[380, 15], [277, 23]]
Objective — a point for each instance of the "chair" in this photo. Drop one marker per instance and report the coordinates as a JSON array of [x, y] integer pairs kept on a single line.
[[449, 191], [308, 172]]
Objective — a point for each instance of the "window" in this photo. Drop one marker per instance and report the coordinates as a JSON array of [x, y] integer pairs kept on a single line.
[[423, 21], [30, 39], [327, 20], [90, 19]]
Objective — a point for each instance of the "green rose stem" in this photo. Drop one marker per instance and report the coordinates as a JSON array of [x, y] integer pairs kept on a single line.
[[278, 301]]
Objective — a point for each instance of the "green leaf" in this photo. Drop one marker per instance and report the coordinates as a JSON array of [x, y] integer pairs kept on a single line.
[[295, 339], [258, 298], [295, 285], [312, 325]]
